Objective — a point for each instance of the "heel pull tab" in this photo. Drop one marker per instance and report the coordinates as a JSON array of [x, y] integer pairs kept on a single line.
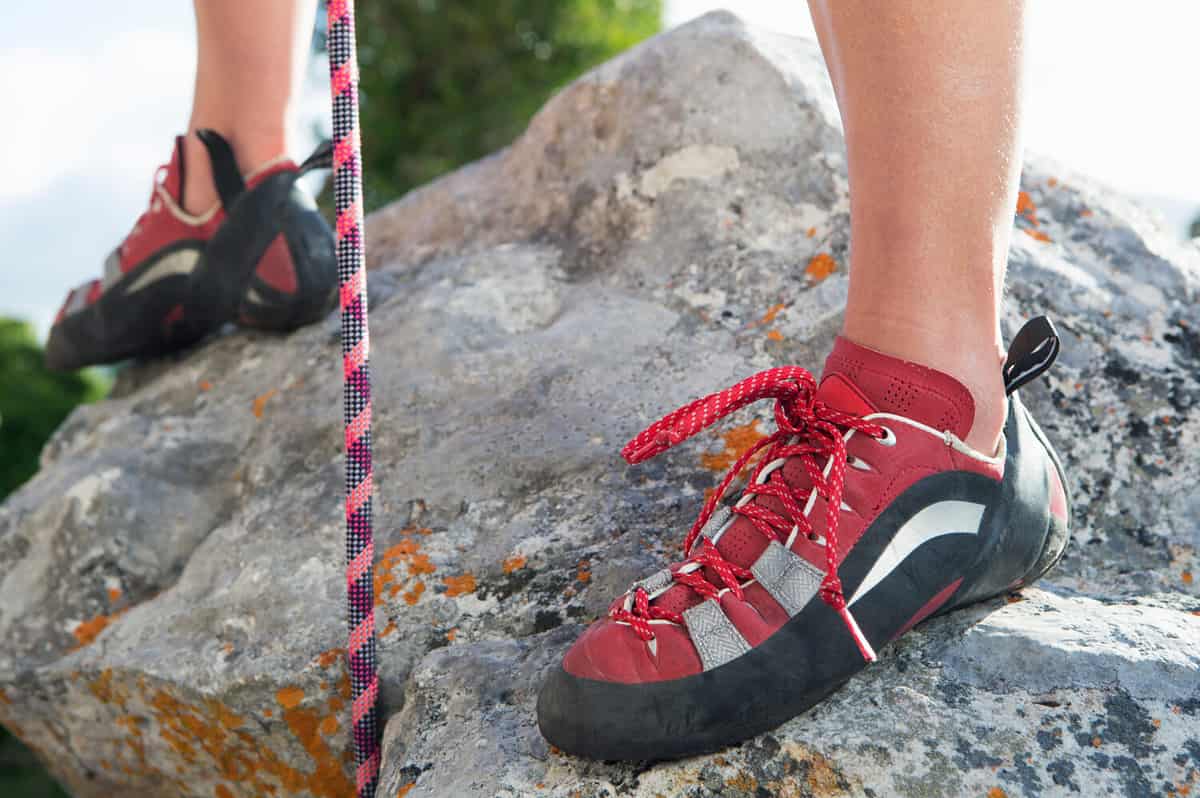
[[321, 158], [226, 175], [1033, 351]]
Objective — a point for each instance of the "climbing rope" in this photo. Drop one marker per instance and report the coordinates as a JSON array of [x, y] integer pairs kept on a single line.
[[352, 281]]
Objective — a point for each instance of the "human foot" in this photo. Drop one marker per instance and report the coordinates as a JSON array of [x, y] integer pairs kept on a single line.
[[867, 499], [263, 257]]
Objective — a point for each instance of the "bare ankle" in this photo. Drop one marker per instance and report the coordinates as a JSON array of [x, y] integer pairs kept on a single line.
[[991, 411], [199, 190], [974, 357]]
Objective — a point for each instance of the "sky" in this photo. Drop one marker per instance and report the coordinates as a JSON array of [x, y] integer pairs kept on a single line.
[[1111, 94]]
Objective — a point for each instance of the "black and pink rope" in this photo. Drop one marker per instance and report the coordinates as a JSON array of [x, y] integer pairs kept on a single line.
[[352, 279]]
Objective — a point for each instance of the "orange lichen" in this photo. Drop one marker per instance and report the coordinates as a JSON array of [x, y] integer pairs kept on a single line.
[[390, 582], [289, 697], [996, 792], [414, 595], [453, 633], [114, 593], [205, 385], [737, 441], [327, 658], [1097, 742], [1157, 723], [1186, 576], [775, 335], [1052, 182], [329, 776], [260, 403], [821, 266], [87, 631], [389, 629], [819, 773], [583, 571], [1027, 208], [743, 782], [222, 791], [513, 563], [459, 585], [420, 564], [102, 688], [1086, 212], [812, 231], [207, 739], [772, 312], [404, 789], [1037, 235]]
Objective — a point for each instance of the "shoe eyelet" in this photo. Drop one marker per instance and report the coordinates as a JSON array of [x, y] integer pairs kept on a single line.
[[888, 439], [813, 537], [858, 464]]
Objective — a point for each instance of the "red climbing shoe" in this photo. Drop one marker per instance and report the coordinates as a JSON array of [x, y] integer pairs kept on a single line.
[[866, 514], [263, 257]]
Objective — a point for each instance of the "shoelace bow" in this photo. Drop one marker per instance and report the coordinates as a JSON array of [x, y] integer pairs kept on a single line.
[[805, 428]]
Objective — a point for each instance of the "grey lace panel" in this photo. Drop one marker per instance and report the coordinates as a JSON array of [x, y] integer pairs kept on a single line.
[[654, 582], [714, 635], [789, 578]]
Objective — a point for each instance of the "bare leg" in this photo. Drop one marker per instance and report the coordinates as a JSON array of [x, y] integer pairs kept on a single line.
[[250, 64], [929, 92]]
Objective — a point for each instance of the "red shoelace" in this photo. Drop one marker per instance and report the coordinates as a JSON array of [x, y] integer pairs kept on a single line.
[[805, 428]]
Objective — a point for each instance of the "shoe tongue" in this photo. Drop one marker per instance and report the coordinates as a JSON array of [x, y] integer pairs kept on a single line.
[[841, 394], [173, 180], [857, 377]]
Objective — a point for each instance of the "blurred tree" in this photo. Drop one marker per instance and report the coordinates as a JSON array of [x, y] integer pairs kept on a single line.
[[1194, 230], [446, 81], [33, 402]]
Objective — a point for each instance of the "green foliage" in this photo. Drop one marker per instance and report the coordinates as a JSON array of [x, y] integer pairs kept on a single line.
[[21, 775], [445, 82], [33, 402]]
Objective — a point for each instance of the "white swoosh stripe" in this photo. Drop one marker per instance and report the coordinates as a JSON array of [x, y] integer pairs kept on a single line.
[[936, 520], [179, 262]]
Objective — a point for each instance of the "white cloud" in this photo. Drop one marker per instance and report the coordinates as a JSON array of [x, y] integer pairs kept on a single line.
[[107, 108]]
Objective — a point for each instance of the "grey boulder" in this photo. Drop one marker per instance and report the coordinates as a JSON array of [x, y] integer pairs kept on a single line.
[[171, 586]]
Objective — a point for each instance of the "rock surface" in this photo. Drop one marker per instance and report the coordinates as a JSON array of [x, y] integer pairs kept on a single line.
[[170, 582]]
